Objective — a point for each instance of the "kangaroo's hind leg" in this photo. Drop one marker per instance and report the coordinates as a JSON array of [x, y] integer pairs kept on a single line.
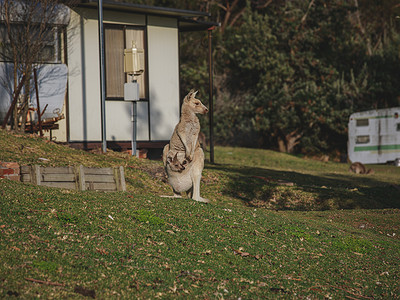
[[197, 169]]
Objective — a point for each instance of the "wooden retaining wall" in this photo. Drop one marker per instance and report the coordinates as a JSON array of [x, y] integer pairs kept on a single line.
[[76, 178]]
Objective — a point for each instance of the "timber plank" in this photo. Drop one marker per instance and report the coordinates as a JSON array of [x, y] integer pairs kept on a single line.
[[26, 177], [98, 171], [99, 178], [58, 177], [25, 169], [63, 185], [57, 170], [101, 186]]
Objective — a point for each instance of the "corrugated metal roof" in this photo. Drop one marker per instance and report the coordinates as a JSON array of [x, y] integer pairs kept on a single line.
[[144, 9], [188, 20]]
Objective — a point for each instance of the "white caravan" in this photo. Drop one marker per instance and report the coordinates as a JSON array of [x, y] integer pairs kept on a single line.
[[374, 136]]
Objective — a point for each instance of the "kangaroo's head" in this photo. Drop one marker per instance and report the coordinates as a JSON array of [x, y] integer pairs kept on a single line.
[[175, 164], [194, 104]]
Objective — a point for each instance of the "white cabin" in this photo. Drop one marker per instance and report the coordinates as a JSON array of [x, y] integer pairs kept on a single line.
[[75, 74]]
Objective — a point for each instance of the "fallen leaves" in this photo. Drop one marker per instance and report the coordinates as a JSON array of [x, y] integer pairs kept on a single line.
[[242, 253], [289, 277], [207, 252], [102, 251]]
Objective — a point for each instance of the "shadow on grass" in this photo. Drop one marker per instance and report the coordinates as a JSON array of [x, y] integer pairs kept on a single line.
[[261, 187]]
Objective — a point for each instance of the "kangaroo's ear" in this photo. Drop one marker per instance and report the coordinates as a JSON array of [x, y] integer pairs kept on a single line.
[[169, 159], [194, 94], [189, 95]]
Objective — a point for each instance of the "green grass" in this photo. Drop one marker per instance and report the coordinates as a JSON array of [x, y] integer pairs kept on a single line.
[[330, 235]]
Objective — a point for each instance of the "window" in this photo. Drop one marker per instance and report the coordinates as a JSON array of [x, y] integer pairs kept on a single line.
[[362, 122], [49, 43], [362, 139], [116, 39]]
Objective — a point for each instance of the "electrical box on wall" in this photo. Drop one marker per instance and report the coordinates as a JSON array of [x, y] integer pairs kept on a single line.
[[134, 60], [131, 91]]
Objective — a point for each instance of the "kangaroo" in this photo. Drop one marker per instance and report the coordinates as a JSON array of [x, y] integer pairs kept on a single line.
[[202, 141], [359, 168], [186, 134], [174, 164], [188, 179], [184, 175]]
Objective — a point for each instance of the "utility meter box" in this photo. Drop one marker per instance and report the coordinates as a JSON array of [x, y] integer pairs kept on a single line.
[[134, 60], [131, 91]]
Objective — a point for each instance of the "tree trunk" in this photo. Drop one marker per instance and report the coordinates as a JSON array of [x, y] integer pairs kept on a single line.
[[23, 114], [287, 142]]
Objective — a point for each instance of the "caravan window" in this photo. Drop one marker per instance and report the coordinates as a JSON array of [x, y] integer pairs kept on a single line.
[[117, 38], [362, 139], [362, 122]]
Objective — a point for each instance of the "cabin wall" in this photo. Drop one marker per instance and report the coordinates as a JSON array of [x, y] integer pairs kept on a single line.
[[157, 117], [163, 76], [84, 79]]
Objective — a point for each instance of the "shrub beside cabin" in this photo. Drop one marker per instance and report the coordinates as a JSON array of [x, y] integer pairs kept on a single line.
[[69, 79]]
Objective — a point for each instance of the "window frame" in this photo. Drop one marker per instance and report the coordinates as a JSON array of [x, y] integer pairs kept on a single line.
[[54, 41], [362, 122], [124, 27]]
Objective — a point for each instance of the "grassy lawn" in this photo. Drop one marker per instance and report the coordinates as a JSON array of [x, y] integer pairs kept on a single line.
[[278, 226]]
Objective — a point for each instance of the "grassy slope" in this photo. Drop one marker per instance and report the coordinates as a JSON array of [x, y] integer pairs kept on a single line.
[[256, 239]]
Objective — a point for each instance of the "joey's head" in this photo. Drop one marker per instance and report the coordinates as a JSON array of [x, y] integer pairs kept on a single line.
[[193, 104], [174, 164]]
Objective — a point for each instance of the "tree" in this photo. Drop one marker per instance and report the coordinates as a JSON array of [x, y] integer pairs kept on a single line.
[[295, 70], [29, 27]]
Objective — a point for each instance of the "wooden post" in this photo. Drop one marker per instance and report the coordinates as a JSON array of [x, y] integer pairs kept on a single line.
[[119, 179], [122, 178], [35, 175], [81, 178]]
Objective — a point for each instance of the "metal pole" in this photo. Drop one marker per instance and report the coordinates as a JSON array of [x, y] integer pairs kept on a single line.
[[134, 124], [102, 78], [211, 102]]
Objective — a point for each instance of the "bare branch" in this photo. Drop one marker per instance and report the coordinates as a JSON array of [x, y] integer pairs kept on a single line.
[[304, 18], [361, 27], [238, 15], [266, 4]]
